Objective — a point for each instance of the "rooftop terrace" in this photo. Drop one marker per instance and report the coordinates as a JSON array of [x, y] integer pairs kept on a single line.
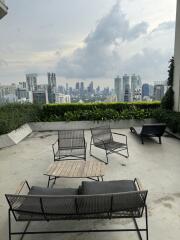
[[157, 166]]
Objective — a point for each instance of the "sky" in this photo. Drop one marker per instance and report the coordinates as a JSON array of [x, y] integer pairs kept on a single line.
[[84, 40]]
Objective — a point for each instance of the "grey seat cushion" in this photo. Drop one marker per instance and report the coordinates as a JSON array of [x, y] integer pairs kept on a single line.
[[52, 191], [89, 188], [52, 202]]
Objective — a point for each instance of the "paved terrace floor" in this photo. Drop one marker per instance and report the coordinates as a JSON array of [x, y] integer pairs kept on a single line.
[[157, 166]]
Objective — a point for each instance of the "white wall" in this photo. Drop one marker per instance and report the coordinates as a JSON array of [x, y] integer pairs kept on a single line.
[[177, 61]]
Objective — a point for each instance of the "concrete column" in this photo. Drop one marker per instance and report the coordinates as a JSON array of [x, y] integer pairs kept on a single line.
[[176, 86]]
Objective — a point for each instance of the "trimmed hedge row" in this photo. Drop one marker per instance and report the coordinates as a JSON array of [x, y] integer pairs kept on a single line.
[[13, 116], [59, 111]]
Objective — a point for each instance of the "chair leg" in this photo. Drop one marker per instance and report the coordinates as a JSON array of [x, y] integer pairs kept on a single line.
[[142, 140], [90, 147], [127, 152], [9, 222], [160, 140], [107, 157]]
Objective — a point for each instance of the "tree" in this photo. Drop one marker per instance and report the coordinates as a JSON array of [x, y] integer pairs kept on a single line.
[[168, 100]]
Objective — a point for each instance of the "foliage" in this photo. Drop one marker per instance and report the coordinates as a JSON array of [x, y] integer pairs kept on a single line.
[[13, 116], [168, 99], [171, 118], [64, 111], [171, 72]]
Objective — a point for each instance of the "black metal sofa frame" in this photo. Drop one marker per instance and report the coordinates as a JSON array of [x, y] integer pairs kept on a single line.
[[70, 145], [102, 137], [149, 130], [48, 204]]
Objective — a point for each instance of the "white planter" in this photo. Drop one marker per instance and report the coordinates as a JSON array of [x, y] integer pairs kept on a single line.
[[15, 136]]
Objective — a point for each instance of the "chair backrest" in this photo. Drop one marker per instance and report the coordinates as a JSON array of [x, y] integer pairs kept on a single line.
[[68, 139], [70, 134], [26, 207], [156, 129], [100, 134]]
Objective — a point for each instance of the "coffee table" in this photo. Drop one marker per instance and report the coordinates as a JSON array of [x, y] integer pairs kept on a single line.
[[91, 169]]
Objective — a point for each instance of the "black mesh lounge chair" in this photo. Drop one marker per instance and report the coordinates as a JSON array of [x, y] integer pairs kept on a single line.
[[70, 145], [102, 137], [149, 130], [93, 200]]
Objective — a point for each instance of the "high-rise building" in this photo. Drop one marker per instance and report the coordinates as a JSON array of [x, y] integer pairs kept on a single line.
[[62, 98], [77, 86], [31, 81], [7, 93], [51, 87], [151, 91], [126, 88], [158, 92], [39, 97], [91, 88], [136, 87], [145, 90], [52, 81], [22, 85], [118, 88]]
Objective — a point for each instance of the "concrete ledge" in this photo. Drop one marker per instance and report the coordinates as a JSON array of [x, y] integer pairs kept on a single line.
[[6, 141], [54, 126]]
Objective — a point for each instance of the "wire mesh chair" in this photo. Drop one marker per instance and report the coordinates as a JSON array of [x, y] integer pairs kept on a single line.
[[102, 137], [70, 145]]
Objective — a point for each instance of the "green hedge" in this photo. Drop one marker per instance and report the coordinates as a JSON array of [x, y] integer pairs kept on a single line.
[[64, 111], [13, 116], [172, 119]]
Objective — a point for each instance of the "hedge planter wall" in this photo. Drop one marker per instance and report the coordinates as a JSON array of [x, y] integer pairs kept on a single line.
[[13, 116]]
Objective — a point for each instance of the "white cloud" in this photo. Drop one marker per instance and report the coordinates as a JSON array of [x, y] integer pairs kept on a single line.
[[100, 55], [116, 46]]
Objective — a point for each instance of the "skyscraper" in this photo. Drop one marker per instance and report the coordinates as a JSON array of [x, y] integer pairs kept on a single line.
[[31, 81], [126, 88], [51, 87], [136, 86], [145, 90], [118, 88], [52, 81], [158, 92]]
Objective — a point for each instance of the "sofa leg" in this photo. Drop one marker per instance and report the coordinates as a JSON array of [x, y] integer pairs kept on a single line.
[[27, 225], [146, 215]]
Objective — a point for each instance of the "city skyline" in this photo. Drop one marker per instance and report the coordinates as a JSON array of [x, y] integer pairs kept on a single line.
[[87, 40]]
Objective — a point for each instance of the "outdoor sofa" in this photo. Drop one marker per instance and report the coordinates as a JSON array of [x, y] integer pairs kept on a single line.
[[149, 130], [92, 200]]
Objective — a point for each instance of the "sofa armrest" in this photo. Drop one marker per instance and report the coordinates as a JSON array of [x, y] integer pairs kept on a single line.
[[138, 184]]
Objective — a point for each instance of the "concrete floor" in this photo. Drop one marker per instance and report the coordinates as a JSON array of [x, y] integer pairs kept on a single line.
[[157, 166]]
